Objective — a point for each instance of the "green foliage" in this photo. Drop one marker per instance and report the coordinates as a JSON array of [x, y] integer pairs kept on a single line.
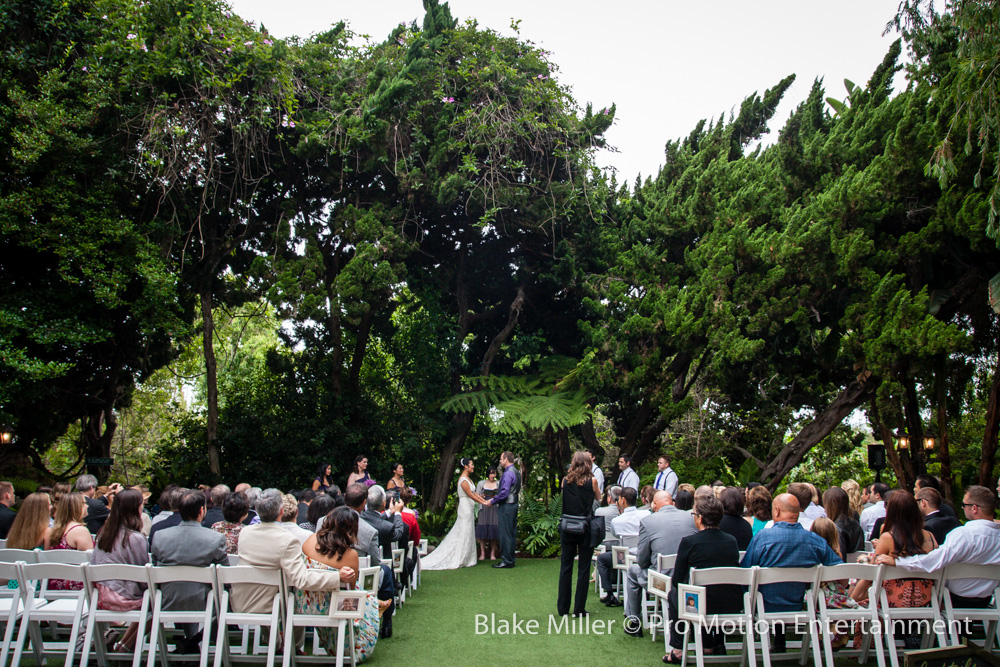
[[539, 525]]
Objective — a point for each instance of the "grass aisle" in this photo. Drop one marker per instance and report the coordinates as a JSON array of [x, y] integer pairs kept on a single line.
[[437, 626]]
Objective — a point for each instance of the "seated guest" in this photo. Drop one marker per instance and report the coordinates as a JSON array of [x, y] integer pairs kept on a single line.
[[7, 515], [166, 508], [234, 510], [935, 520], [289, 514], [305, 497], [173, 519], [318, 508], [786, 544], [390, 528], [68, 532], [853, 490], [838, 510], [97, 506], [30, 529], [877, 510], [213, 514], [709, 547], [684, 500], [121, 542], [814, 510], [610, 511], [659, 533], [759, 503], [646, 496], [732, 518], [331, 549], [267, 545], [626, 524], [977, 542], [931, 482], [367, 543], [803, 494], [189, 543]]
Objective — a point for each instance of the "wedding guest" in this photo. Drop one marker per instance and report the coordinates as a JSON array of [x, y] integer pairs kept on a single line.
[[487, 522], [68, 532], [759, 504], [850, 535], [319, 507], [30, 529], [732, 518], [396, 482], [853, 490], [234, 510], [579, 490]]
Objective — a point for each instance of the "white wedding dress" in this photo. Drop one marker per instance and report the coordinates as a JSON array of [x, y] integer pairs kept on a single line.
[[458, 548]]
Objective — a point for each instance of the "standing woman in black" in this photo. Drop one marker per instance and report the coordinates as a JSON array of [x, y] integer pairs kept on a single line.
[[579, 491]]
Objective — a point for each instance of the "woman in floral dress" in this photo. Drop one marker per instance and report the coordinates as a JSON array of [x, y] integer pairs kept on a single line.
[[329, 549]]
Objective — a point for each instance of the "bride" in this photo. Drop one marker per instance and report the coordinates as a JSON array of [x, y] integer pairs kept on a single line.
[[458, 548]]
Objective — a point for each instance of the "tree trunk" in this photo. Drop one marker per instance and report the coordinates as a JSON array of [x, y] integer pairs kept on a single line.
[[912, 460], [885, 434], [856, 393], [944, 454], [211, 381], [97, 432], [991, 431], [589, 437], [462, 423]]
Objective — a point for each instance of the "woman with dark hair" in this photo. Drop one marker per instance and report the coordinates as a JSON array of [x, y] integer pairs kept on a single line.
[[323, 481], [709, 547], [458, 548], [579, 489], [396, 482], [732, 517], [684, 500], [121, 541], [902, 535], [235, 509], [487, 522], [331, 549], [759, 508], [320, 506], [837, 504], [360, 474]]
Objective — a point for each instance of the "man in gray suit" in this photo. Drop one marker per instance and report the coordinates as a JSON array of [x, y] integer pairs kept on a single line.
[[659, 533], [610, 511], [189, 543]]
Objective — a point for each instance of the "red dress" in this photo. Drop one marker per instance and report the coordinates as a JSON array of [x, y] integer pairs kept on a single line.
[[63, 584]]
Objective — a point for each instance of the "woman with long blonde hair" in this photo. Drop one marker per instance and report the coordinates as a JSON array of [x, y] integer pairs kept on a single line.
[[68, 532], [853, 490], [31, 526]]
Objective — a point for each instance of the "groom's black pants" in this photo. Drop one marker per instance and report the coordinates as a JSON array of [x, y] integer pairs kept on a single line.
[[507, 518]]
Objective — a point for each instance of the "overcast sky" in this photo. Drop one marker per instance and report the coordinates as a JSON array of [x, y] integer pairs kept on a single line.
[[666, 64]]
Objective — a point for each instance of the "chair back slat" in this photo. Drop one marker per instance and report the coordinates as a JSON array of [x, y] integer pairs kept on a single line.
[[186, 573], [665, 562], [233, 560], [773, 575], [740, 576], [248, 574], [40, 571], [849, 571], [117, 571], [64, 556], [15, 555]]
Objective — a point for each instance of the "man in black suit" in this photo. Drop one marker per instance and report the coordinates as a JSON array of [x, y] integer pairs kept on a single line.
[[931, 482], [936, 521], [305, 498], [6, 513], [213, 514], [97, 508]]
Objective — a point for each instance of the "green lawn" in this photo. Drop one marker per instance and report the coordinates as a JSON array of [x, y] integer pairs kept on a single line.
[[437, 626]]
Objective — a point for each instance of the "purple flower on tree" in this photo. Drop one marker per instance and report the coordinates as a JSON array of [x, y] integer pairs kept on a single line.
[[448, 100]]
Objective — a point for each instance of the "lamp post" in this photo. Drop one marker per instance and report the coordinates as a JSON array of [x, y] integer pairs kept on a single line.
[[6, 435]]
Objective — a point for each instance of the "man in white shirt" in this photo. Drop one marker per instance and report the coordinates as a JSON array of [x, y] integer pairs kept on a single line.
[[812, 510], [666, 478], [977, 542], [803, 494], [626, 524], [597, 472], [628, 477], [877, 510]]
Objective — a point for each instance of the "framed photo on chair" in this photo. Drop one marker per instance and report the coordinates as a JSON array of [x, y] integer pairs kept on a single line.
[[691, 602]]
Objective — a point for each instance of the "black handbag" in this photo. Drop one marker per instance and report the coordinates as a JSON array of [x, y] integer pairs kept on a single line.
[[573, 525]]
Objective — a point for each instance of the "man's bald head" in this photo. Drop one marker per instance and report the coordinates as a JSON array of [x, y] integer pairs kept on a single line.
[[785, 508], [660, 499], [703, 491]]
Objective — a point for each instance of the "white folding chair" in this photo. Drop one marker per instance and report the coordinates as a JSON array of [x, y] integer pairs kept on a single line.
[[955, 616], [245, 574], [601, 548], [27, 556], [421, 552], [844, 619], [98, 619], [70, 556], [397, 571], [170, 574], [766, 620], [11, 607], [741, 621], [234, 560], [658, 587], [3, 544], [649, 603], [620, 563], [65, 611], [345, 608], [411, 555], [928, 617], [364, 561]]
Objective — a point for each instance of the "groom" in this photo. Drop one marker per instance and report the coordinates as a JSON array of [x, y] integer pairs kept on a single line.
[[506, 501]]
